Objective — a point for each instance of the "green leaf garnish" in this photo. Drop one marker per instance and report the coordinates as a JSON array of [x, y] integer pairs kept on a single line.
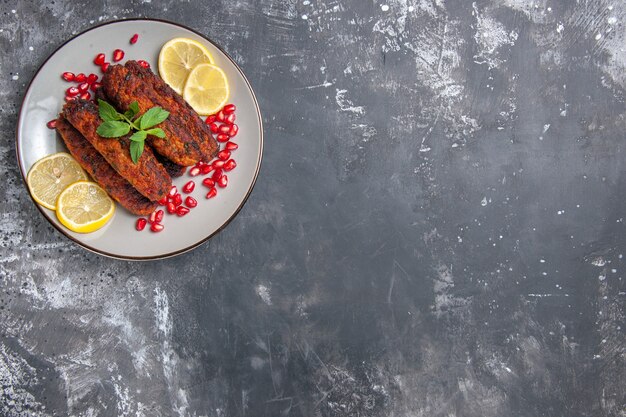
[[107, 112], [157, 131], [153, 117], [139, 136], [136, 149], [113, 129], [134, 107]]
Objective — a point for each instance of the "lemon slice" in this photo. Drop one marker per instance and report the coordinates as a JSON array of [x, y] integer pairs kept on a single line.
[[84, 207], [206, 89], [50, 175], [178, 57]]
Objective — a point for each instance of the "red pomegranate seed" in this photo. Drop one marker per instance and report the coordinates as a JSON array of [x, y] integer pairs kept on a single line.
[[95, 86], [171, 208], [217, 174], [206, 168], [104, 67], [82, 87], [208, 182], [143, 63], [156, 227], [214, 128], [181, 211], [177, 200], [141, 224], [70, 98], [223, 137], [133, 39], [231, 146], [153, 217], [209, 119], [118, 55], [230, 119], [223, 181], [68, 76], [224, 155], [234, 129], [218, 163], [191, 202], [85, 96], [99, 59], [230, 165], [194, 171], [224, 128], [52, 124], [187, 188], [229, 108], [220, 116], [173, 191], [80, 78], [72, 91], [162, 201], [159, 216], [92, 78], [212, 193]]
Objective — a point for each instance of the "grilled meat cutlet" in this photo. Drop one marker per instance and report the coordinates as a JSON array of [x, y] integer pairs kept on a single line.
[[100, 170], [147, 176], [187, 138]]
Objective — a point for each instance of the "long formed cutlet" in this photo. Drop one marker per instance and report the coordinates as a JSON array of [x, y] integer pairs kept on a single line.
[[147, 176], [187, 138], [102, 172]]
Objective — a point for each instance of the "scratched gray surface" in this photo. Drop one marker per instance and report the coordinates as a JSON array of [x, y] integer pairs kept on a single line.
[[437, 230]]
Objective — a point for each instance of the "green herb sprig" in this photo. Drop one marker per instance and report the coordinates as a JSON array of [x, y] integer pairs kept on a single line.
[[118, 124]]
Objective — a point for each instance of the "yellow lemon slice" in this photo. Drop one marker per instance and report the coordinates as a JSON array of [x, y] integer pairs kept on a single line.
[[51, 175], [84, 207], [206, 89], [178, 57]]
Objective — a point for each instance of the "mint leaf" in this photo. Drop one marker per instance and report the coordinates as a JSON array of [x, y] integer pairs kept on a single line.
[[134, 107], [136, 149], [139, 136], [157, 131], [113, 129], [107, 112], [153, 117], [129, 114]]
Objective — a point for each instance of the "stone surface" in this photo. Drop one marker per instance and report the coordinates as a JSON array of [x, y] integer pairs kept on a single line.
[[437, 230]]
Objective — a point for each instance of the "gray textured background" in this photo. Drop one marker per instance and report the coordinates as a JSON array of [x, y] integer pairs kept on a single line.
[[437, 229]]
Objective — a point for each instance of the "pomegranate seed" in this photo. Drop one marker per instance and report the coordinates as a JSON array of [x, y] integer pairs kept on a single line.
[[212, 193], [194, 171], [153, 217], [208, 182], [68, 76], [85, 96], [141, 224], [70, 98], [72, 91], [80, 78], [230, 165], [230, 119], [95, 86], [159, 216], [82, 87], [104, 67], [210, 119], [229, 108], [218, 163], [234, 129], [223, 137], [206, 169], [224, 128], [118, 55], [162, 201], [99, 59], [191, 202], [133, 39], [223, 181], [173, 191], [92, 78], [156, 227], [52, 124], [187, 188], [231, 146], [143, 63], [217, 175], [171, 208], [224, 155], [220, 116], [213, 127], [177, 200], [181, 211]]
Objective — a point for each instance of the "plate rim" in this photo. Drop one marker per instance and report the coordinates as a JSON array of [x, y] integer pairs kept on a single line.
[[171, 253]]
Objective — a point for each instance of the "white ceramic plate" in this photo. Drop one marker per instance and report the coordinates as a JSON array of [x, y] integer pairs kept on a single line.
[[119, 239]]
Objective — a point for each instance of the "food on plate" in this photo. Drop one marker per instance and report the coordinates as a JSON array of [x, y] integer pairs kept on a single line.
[[147, 176], [187, 138], [49, 176], [102, 172], [173, 169], [206, 89], [178, 57], [84, 207]]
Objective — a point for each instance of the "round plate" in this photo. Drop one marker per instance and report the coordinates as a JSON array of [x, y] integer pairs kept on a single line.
[[119, 239]]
